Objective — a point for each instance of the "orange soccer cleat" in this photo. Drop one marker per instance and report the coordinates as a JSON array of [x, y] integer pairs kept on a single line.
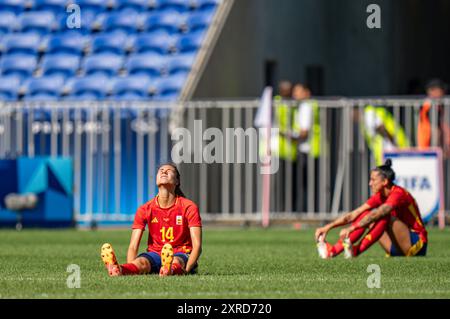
[[110, 260], [166, 260]]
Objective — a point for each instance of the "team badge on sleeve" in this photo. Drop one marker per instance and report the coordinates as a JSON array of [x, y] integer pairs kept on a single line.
[[179, 220]]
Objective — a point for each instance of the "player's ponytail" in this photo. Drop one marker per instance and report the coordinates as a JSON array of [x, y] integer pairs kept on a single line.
[[386, 170], [178, 190]]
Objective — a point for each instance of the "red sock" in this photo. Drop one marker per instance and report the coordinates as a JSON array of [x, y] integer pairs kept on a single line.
[[177, 269], [354, 236], [129, 269], [372, 236]]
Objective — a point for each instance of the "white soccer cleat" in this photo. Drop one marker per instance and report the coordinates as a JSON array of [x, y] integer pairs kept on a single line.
[[322, 248], [348, 248]]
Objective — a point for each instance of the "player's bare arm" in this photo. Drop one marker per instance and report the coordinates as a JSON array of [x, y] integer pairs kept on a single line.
[[133, 248], [196, 237], [377, 214], [340, 221]]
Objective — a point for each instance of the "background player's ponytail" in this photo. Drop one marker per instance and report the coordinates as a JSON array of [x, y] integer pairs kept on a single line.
[[178, 190], [386, 170]]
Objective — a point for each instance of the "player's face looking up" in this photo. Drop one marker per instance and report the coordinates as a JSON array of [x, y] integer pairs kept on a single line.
[[166, 176], [377, 182]]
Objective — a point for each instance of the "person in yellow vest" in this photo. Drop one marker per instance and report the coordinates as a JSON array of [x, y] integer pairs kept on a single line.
[[307, 121], [300, 126], [382, 132], [281, 144], [304, 141]]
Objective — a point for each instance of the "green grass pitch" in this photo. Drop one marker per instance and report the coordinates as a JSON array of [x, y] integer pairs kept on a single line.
[[236, 263]]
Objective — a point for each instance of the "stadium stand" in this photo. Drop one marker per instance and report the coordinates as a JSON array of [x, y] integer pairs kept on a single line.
[[9, 88], [139, 49]]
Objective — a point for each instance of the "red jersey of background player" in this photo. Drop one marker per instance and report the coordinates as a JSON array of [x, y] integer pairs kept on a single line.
[[404, 207], [168, 225]]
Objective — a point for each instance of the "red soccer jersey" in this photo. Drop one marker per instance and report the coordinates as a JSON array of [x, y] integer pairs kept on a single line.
[[404, 208], [168, 225]]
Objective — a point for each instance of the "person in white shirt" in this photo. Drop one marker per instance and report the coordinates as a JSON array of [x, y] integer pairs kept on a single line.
[[304, 116]]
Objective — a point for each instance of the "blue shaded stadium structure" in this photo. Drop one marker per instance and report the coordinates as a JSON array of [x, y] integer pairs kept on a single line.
[[47, 50]]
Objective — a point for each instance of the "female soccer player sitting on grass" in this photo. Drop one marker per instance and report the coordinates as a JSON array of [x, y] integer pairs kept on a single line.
[[175, 233], [391, 215]]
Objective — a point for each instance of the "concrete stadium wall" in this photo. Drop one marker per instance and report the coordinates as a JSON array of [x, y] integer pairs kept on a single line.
[[399, 58]]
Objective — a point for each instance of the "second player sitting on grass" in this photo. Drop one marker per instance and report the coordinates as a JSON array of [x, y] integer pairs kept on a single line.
[[391, 215], [175, 233]]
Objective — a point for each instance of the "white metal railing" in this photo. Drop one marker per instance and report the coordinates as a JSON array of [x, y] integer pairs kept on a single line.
[[117, 146]]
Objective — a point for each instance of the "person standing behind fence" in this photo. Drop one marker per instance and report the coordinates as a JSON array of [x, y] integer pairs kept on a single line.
[[382, 132], [282, 145], [305, 135], [436, 90], [308, 122]]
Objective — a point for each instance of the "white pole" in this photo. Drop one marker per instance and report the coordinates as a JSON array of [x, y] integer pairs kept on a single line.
[[264, 121]]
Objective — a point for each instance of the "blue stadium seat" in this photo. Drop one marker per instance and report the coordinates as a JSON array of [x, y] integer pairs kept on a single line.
[[104, 63], [63, 43], [159, 42], [14, 6], [135, 6], [44, 97], [190, 42], [199, 21], [40, 22], [9, 88], [21, 43], [115, 43], [207, 5], [123, 22], [173, 5], [170, 87], [145, 63], [92, 6], [48, 88], [180, 63], [130, 97], [89, 88], [64, 65], [18, 64], [171, 22], [56, 6], [7, 22], [131, 87]]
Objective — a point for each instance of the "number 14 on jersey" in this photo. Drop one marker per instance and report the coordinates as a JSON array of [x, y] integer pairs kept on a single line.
[[166, 234]]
